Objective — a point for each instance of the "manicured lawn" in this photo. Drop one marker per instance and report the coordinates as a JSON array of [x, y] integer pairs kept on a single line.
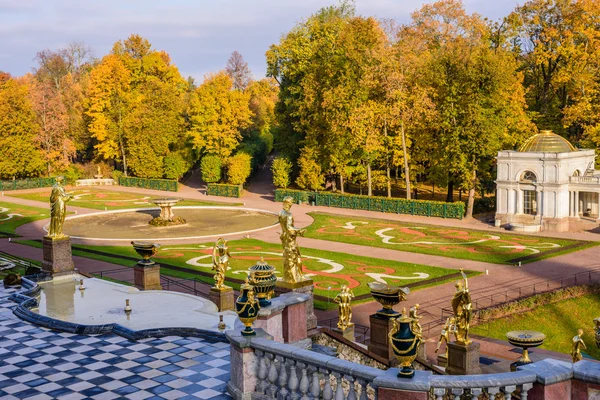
[[328, 269], [558, 321], [468, 244], [100, 199], [14, 215]]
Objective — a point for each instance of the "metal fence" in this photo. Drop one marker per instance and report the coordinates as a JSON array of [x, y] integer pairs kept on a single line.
[[18, 184], [156, 184], [361, 332]]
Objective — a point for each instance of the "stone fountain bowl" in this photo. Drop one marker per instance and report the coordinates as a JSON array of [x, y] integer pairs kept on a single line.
[[166, 201], [525, 339], [388, 296], [145, 250]]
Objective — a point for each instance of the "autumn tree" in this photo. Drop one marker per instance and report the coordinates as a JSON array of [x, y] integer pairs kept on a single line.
[[238, 70]]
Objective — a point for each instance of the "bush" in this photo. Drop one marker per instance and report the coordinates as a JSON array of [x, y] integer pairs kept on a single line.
[[281, 168], [72, 173], [174, 166], [310, 176], [116, 175], [484, 205], [239, 168], [211, 169]]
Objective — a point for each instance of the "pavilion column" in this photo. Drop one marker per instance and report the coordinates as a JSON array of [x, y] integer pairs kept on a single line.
[[570, 203], [577, 204]]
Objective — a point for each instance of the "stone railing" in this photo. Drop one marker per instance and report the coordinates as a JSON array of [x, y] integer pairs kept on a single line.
[[264, 369], [593, 180], [94, 182]]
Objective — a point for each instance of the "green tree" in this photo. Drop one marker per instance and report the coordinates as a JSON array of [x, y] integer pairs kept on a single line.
[[175, 166], [281, 168], [310, 176], [239, 168], [210, 166]]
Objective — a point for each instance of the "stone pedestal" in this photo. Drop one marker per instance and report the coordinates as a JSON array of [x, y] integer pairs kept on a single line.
[[147, 276], [305, 287], [463, 360], [347, 333], [58, 259], [223, 298], [380, 342], [442, 360]]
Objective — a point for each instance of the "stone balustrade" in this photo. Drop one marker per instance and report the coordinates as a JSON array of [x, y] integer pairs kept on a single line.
[[94, 182], [593, 180], [262, 368]]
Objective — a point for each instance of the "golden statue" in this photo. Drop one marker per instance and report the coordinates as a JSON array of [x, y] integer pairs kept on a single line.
[[58, 209], [292, 262], [462, 308], [343, 299], [415, 326], [220, 262], [445, 335], [577, 345]]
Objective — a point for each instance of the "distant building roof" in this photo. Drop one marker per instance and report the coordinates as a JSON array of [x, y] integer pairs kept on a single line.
[[547, 142]]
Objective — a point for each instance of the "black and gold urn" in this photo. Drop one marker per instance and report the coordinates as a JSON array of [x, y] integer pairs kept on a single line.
[[388, 296], [246, 307], [405, 341], [263, 279]]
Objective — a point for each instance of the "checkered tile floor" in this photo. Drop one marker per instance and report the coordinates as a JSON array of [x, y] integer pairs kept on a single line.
[[36, 363]]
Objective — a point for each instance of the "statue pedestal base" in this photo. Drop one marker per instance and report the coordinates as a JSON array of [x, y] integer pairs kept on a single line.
[[442, 360], [380, 341], [147, 276], [58, 259], [347, 333], [223, 298], [305, 287], [463, 359]]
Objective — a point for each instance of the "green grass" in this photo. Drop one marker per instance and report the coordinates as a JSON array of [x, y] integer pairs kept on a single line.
[[246, 252], [100, 199], [27, 214], [467, 244], [558, 321]]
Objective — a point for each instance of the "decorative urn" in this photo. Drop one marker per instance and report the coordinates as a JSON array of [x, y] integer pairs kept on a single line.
[[597, 329], [405, 342], [263, 279], [388, 296], [145, 250], [524, 340], [247, 307]]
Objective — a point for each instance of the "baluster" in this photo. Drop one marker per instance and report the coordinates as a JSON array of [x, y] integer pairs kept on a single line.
[[352, 392], [475, 393], [262, 372], [363, 389], [339, 391], [327, 391], [457, 392], [303, 381], [315, 385], [508, 391], [526, 387], [439, 393], [293, 381], [282, 380], [492, 392], [272, 377]]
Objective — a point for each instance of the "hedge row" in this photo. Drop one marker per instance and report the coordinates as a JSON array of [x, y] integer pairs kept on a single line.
[[170, 185], [218, 189], [27, 183], [374, 203]]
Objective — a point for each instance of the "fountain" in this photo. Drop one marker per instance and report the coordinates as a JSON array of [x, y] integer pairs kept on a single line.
[[166, 217]]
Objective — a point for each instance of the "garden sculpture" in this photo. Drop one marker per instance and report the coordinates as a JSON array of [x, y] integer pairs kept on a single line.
[[220, 262], [415, 325], [577, 345], [343, 299], [445, 335], [292, 261], [58, 209], [462, 308]]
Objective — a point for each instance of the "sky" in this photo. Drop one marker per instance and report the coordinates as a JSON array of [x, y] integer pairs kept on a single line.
[[199, 35]]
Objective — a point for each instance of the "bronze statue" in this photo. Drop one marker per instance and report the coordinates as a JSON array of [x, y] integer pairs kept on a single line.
[[220, 262], [343, 299], [462, 308], [577, 345], [292, 261], [445, 335], [58, 209]]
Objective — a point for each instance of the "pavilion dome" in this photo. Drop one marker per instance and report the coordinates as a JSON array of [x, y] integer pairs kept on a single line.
[[547, 142]]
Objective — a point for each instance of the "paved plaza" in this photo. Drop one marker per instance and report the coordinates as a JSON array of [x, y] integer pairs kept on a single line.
[[37, 363]]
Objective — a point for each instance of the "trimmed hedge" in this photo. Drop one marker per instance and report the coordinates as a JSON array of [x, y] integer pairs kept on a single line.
[[156, 184], [374, 203], [27, 183], [218, 189]]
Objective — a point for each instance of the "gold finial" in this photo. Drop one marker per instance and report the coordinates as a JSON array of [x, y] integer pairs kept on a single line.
[[127, 306]]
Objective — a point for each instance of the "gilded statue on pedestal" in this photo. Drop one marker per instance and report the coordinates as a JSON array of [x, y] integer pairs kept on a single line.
[[462, 308], [292, 262], [343, 299], [445, 335], [415, 324], [578, 344], [58, 209], [220, 262]]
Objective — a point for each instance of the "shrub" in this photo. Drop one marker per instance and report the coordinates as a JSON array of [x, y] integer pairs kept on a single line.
[[72, 173], [310, 176], [211, 169], [281, 168], [116, 175], [174, 166], [239, 168]]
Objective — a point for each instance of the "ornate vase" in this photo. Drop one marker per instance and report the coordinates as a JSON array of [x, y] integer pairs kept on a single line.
[[388, 296], [524, 340], [247, 307], [145, 250], [263, 279], [405, 343], [597, 328]]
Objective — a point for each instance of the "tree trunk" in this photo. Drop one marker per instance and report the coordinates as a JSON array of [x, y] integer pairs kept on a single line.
[[121, 145], [406, 170], [342, 183], [396, 173], [433, 190], [450, 194], [369, 183], [471, 199], [389, 180], [460, 194]]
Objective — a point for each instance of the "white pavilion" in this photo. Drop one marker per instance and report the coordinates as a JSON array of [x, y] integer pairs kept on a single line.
[[548, 185]]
